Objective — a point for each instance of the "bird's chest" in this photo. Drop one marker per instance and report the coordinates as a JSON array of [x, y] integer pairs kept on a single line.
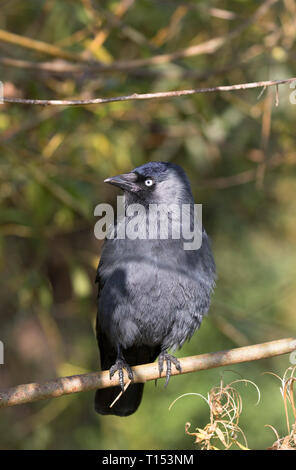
[[148, 302], [145, 303]]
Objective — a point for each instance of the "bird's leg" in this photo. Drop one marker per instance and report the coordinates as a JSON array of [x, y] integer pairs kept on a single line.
[[119, 365], [169, 359]]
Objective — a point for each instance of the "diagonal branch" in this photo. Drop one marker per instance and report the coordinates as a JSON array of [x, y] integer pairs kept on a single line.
[[149, 96], [96, 380], [38, 46]]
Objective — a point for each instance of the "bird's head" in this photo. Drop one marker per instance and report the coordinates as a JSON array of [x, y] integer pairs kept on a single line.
[[155, 182]]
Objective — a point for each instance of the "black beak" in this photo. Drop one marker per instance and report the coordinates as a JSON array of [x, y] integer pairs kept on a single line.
[[126, 181]]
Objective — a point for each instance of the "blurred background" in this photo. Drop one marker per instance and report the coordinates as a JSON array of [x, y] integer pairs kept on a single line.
[[238, 150]]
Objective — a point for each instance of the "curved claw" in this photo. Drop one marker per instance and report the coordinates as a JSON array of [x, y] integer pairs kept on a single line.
[[119, 365], [169, 359]]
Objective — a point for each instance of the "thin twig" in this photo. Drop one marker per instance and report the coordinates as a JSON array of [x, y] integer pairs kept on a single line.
[[120, 393], [97, 380], [148, 96]]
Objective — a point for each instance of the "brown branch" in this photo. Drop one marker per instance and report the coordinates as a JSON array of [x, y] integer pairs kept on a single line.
[[149, 96], [96, 380]]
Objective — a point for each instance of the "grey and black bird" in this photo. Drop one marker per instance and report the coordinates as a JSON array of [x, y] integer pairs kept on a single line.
[[152, 293]]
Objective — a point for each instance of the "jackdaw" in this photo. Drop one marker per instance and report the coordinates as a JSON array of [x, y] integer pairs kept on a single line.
[[152, 293]]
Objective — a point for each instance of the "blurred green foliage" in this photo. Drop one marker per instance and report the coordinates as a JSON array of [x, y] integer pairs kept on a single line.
[[239, 153]]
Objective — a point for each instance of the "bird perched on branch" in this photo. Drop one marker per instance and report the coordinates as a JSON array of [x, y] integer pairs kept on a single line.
[[153, 293]]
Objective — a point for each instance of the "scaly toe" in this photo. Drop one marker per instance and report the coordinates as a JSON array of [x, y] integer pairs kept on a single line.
[[118, 367], [169, 359]]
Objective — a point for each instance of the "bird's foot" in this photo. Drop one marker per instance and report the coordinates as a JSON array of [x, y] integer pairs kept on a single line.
[[169, 359], [119, 365]]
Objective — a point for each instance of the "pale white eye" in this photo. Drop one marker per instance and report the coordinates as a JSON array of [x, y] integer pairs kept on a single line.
[[149, 182]]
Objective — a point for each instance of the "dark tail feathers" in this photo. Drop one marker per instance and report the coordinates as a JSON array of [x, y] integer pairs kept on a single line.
[[125, 406]]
